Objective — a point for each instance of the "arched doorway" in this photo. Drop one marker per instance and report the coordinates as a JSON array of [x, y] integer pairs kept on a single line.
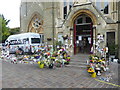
[[83, 34]]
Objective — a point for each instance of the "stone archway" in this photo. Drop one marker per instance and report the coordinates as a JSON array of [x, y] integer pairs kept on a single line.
[[86, 12], [35, 24], [79, 29]]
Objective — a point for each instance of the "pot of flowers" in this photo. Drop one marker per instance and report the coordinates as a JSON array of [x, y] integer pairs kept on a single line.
[[68, 59], [58, 63], [41, 64], [51, 65], [92, 72]]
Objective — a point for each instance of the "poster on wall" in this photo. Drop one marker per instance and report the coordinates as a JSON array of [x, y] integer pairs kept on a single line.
[[89, 39], [60, 38], [79, 37]]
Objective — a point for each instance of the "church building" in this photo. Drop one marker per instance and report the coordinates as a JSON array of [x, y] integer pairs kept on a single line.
[[82, 26]]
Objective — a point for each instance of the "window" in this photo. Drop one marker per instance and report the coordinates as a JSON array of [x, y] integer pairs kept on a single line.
[[13, 42], [83, 19], [65, 9], [106, 7], [25, 41], [65, 12], [70, 4], [36, 23], [19, 41], [88, 20], [79, 20], [35, 40]]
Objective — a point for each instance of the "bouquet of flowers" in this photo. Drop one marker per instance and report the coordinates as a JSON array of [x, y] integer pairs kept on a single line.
[[91, 70], [58, 63]]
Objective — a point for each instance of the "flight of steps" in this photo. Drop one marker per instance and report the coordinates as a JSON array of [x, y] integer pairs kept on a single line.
[[79, 61]]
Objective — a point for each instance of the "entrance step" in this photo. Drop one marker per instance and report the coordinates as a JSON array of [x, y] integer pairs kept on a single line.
[[77, 66], [78, 63]]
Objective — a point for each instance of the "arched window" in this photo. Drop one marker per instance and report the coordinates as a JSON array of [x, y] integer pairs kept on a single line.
[[35, 24]]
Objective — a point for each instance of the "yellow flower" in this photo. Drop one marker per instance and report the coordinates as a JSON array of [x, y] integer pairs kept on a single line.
[[38, 62], [100, 60], [90, 70]]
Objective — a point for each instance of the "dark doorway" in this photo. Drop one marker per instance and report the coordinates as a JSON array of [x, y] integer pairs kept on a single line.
[[83, 34], [111, 43], [110, 38]]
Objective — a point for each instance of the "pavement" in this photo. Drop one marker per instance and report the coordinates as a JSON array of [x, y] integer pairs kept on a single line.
[[31, 76]]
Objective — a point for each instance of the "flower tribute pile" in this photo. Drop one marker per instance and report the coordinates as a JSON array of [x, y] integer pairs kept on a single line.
[[44, 58], [96, 65]]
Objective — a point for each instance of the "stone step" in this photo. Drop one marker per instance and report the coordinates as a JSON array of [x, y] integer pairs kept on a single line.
[[79, 58], [79, 61], [76, 63], [77, 66], [82, 62]]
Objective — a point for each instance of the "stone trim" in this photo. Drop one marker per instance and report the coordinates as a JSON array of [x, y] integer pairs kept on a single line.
[[86, 12]]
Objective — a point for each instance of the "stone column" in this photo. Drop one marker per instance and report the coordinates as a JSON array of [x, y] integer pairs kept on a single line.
[[119, 29]]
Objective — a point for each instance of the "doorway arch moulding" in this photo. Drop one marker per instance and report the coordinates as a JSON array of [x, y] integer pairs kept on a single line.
[[80, 12]]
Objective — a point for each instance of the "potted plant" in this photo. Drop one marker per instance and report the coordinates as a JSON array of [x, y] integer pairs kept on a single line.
[[41, 64], [67, 59], [58, 63], [90, 70], [51, 65]]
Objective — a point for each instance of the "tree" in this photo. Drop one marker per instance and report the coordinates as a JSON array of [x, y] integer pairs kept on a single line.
[[5, 30], [14, 31]]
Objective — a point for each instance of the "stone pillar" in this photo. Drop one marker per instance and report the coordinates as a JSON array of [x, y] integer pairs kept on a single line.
[[119, 29], [23, 15], [94, 38]]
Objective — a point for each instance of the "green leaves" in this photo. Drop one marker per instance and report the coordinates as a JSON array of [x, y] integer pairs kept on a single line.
[[14, 31], [4, 30]]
